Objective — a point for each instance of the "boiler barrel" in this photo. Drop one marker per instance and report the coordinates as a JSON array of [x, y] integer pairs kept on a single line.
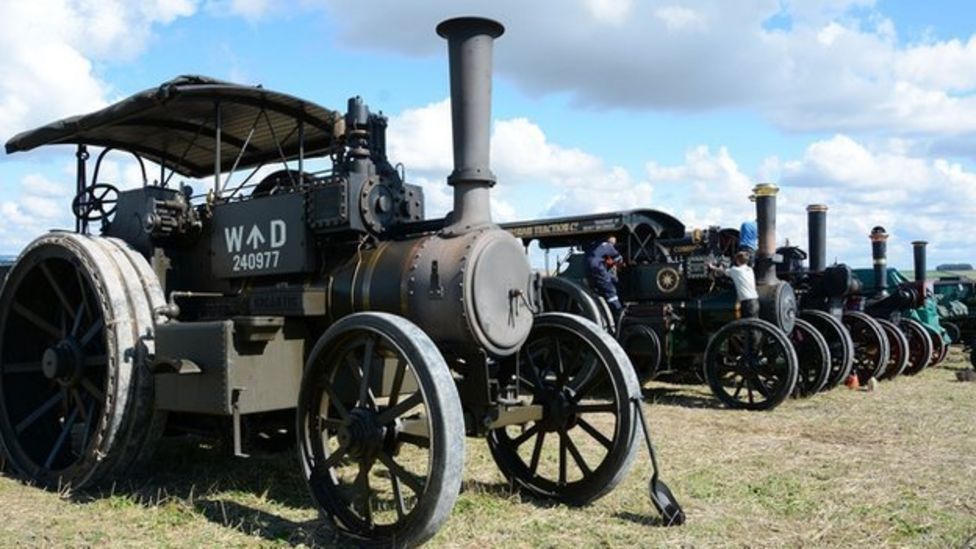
[[469, 292]]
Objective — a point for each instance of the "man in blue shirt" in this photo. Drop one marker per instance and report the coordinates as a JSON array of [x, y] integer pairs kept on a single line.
[[600, 258], [749, 239]]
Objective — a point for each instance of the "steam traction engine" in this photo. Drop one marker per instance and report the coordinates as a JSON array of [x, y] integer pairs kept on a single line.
[[679, 315], [858, 343], [905, 307], [318, 286]]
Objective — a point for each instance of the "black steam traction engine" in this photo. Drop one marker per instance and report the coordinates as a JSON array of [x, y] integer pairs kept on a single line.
[[858, 343], [907, 308], [319, 287], [679, 315]]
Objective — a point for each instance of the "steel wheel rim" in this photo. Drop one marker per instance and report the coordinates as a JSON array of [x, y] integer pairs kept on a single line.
[[938, 348], [749, 372], [919, 343], [897, 350], [868, 348], [839, 344], [347, 431], [811, 358], [54, 365], [574, 418], [563, 296]]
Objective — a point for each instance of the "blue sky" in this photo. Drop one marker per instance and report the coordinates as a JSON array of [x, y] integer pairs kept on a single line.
[[867, 106]]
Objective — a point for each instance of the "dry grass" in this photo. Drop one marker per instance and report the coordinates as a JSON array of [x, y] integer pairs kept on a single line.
[[895, 467]]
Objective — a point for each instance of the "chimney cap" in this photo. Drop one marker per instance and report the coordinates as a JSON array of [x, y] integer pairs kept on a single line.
[[919, 243], [475, 25], [878, 233], [817, 208], [765, 189]]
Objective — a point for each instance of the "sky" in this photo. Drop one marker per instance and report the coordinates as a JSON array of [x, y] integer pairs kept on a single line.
[[868, 106]]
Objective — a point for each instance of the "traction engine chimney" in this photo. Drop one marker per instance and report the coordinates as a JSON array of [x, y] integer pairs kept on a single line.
[[765, 194], [919, 253], [817, 236], [470, 41], [879, 255]]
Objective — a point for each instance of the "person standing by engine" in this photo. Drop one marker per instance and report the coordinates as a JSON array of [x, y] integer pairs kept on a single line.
[[749, 240], [601, 257], [744, 279]]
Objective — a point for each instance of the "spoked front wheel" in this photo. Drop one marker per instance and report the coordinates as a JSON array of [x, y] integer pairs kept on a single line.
[[583, 443], [940, 349], [381, 431], [750, 364], [898, 349], [838, 342], [871, 348], [919, 346], [813, 356]]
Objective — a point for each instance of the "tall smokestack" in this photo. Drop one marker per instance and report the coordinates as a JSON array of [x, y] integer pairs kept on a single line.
[[879, 254], [919, 252], [469, 44], [817, 235], [765, 195]]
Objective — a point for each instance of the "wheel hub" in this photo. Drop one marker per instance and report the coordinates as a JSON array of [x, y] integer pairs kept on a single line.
[[63, 362], [361, 433], [558, 412]]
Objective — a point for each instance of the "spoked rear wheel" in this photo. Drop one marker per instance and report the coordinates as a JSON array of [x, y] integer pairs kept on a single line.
[[76, 400], [561, 295], [584, 442], [871, 347], [838, 341], [898, 349], [381, 431], [951, 328], [813, 356], [940, 349], [643, 348], [919, 346], [750, 364]]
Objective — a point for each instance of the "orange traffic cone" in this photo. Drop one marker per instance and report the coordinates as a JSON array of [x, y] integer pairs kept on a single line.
[[852, 382]]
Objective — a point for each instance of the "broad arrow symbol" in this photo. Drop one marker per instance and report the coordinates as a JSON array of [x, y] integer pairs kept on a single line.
[[255, 238]]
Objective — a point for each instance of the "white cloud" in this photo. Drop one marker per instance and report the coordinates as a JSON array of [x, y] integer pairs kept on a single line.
[[825, 65], [521, 155], [421, 138], [708, 189], [50, 46], [948, 65], [42, 204], [680, 18], [914, 197], [609, 11]]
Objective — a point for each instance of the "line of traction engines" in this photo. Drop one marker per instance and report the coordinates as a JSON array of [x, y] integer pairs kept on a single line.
[[819, 325]]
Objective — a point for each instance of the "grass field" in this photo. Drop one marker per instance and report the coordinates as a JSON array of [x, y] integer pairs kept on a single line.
[[894, 467]]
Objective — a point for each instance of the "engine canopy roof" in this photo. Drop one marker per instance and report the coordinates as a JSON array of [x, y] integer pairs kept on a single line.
[[176, 124]]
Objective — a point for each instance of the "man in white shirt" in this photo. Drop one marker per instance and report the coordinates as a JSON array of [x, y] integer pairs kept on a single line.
[[745, 284]]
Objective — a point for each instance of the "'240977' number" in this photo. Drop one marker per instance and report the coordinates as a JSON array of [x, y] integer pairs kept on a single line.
[[255, 261]]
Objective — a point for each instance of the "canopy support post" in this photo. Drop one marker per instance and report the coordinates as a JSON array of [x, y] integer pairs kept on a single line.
[[217, 130], [81, 183], [301, 147]]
